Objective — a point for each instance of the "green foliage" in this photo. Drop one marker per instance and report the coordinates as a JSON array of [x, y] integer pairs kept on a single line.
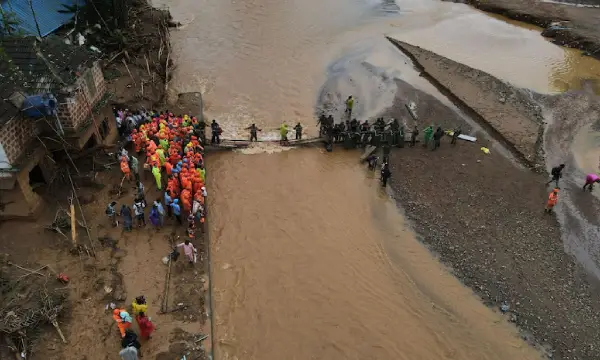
[[107, 19], [9, 23]]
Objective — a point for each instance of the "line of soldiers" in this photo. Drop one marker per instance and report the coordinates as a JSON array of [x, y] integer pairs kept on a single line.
[[353, 133]]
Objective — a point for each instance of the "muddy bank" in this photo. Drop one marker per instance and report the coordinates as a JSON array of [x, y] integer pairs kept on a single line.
[[501, 109], [579, 30], [484, 217]]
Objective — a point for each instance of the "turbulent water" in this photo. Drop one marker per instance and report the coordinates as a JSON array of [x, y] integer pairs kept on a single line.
[[310, 259]]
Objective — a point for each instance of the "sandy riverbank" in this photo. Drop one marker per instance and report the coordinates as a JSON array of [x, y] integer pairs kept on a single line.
[[579, 28], [483, 214]]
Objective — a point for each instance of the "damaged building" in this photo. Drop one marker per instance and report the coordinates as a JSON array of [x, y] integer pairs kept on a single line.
[[48, 94]]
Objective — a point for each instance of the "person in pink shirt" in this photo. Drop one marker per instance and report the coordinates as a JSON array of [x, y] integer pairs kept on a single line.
[[188, 250], [590, 180]]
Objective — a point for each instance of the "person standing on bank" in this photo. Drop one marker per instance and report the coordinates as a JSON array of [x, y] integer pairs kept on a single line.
[[413, 136], [385, 174], [556, 174], [590, 180], [427, 135], [138, 209], [455, 134], [437, 138]]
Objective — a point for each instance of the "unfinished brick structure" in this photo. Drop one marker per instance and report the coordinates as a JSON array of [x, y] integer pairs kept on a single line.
[[74, 110], [47, 69]]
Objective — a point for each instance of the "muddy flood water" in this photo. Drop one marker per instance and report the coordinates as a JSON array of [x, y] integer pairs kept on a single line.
[[310, 259]]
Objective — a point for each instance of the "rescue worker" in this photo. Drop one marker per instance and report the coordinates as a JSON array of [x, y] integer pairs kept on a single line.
[[437, 137], [298, 129], [552, 199], [283, 132], [455, 134], [413, 136], [216, 132], [427, 135], [386, 153], [253, 129], [590, 180], [556, 174], [354, 125], [125, 168], [349, 106], [157, 177], [385, 174]]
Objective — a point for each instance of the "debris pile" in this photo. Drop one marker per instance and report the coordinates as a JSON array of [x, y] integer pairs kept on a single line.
[[28, 298]]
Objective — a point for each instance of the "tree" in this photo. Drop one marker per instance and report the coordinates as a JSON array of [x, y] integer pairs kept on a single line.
[[9, 22]]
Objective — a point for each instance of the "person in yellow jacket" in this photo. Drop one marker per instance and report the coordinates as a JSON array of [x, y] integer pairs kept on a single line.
[[139, 305], [161, 155], [283, 131], [157, 175]]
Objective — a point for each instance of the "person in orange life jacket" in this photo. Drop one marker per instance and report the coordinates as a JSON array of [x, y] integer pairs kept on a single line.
[[552, 200]]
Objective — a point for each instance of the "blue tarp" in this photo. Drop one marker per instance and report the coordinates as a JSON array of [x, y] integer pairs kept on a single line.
[[39, 105], [46, 13]]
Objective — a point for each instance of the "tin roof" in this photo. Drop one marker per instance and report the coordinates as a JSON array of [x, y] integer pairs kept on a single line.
[[46, 14]]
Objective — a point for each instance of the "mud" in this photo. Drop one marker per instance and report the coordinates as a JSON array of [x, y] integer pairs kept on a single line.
[[580, 29]]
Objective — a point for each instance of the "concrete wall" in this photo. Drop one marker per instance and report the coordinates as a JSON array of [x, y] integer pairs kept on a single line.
[[73, 112]]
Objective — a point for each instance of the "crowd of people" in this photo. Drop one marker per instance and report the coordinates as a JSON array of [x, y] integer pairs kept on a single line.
[[172, 147]]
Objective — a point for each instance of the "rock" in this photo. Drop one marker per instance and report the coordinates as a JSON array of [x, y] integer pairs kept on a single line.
[[119, 294]]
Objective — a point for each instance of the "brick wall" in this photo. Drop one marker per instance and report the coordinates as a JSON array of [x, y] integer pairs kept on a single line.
[[75, 110], [15, 135]]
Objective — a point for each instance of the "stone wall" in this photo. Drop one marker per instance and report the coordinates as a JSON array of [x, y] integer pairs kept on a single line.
[[15, 135], [73, 112]]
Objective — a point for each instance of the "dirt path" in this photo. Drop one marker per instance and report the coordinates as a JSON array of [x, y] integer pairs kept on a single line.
[[580, 30]]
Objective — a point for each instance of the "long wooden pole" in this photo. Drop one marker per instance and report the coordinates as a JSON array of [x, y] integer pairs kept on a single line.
[[82, 214], [73, 224]]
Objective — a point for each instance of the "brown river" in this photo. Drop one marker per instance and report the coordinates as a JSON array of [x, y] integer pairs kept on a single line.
[[310, 259]]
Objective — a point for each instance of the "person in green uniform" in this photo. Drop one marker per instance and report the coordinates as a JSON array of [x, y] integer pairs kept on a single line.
[[427, 135]]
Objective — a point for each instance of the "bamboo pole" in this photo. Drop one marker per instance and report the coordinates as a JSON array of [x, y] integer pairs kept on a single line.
[[73, 225], [62, 337], [87, 230]]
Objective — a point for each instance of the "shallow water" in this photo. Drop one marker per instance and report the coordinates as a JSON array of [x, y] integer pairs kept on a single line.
[[316, 263], [310, 260]]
